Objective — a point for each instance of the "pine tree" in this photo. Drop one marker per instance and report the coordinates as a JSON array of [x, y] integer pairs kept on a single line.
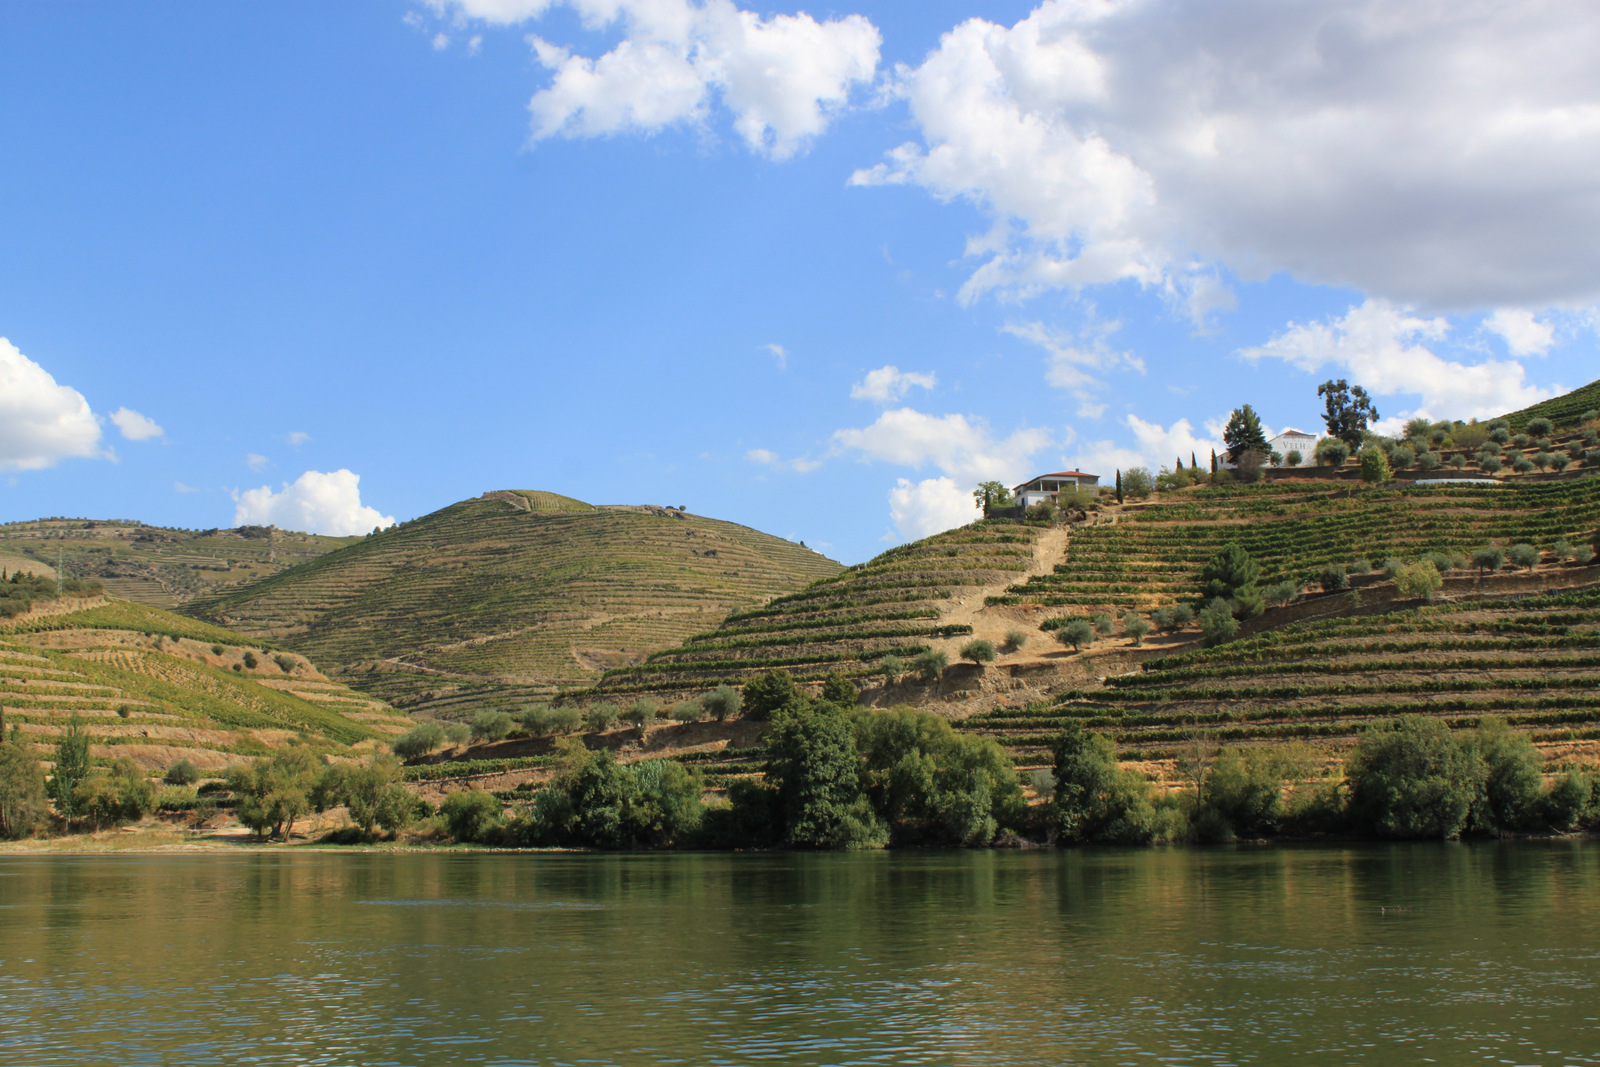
[[1243, 433]]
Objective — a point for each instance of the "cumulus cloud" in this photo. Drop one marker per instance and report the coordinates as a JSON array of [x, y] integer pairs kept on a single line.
[[314, 503], [888, 384], [963, 448], [41, 421], [134, 426], [1384, 348], [1074, 356], [1444, 155], [929, 507], [782, 78], [1523, 335]]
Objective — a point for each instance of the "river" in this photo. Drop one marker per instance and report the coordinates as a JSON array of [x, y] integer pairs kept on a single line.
[[1403, 954]]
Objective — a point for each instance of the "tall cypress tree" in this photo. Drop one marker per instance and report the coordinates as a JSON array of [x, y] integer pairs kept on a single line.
[[72, 767]]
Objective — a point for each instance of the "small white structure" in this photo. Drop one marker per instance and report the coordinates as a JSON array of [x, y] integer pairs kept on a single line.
[[1049, 486], [1294, 441]]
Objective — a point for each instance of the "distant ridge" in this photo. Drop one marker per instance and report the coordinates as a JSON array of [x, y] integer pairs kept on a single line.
[[497, 600]]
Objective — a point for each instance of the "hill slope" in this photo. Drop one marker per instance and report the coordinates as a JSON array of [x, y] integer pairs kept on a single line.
[[158, 687], [1563, 410], [497, 599], [156, 565]]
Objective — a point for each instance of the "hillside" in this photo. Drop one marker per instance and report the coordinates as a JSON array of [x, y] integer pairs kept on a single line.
[[492, 601], [1564, 410], [156, 565], [158, 687]]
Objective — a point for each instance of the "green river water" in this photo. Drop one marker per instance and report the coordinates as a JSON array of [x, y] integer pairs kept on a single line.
[[1402, 954]]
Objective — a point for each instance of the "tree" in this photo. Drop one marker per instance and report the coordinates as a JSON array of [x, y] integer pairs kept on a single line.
[[1217, 624], [1539, 426], [1488, 558], [1410, 777], [991, 495], [1120, 494], [23, 801], [979, 651], [1524, 556], [1332, 452], [812, 765], [639, 713], [1347, 411], [603, 716], [372, 793], [1096, 800], [1419, 579], [1014, 641], [1077, 633], [470, 815], [837, 689], [1243, 433], [418, 741], [1138, 483], [115, 795], [274, 790], [183, 772], [1136, 626], [1229, 571], [929, 665], [765, 693], [71, 768], [722, 703], [1374, 465], [1513, 778], [492, 726], [891, 668]]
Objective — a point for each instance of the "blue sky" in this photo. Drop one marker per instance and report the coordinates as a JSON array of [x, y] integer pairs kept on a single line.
[[328, 265]]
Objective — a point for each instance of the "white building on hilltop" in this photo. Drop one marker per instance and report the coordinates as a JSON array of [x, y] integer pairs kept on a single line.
[[1294, 441], [1049, 486]]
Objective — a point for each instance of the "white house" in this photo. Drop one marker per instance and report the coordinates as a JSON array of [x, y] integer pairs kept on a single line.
[[1049, 486], [1294, 441]]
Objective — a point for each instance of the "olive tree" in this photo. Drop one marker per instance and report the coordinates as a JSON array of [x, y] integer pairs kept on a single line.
[[979, 651]]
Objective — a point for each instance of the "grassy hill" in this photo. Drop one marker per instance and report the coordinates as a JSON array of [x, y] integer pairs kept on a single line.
[[156, 565], [492, 601], [157, 687], [1564, 410]]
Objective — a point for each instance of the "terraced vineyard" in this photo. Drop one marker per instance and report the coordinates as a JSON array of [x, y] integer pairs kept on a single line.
[[891, 605], [156, 565], [157, 687], [1531, 659], [1562, 410], [494, 601], [1154, 555]]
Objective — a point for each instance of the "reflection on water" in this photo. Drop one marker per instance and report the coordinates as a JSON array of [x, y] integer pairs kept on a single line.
[[1372, 955]]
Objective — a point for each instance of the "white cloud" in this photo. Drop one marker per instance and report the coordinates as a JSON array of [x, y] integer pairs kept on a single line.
[[1523, 335], [315, 503], [134, 426], [768, 458], [1155, 446], [179, 487], [779, 353], [256, 462], [888, 384], [929, 507], [963, 448], [41, 421], [1073, 357], [1446, 155], [1381, 347], [762, 455], [782, 78], [297, 438]]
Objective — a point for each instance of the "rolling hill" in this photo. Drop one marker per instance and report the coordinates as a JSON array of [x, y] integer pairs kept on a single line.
[[157, 687], [1564, 410], [156, 565], [496, 600]]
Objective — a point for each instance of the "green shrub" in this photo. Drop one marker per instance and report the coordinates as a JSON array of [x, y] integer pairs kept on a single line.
[[1243, 793], [1539, 426], [1103, 624], [1229, 571], [837, 689], [1280, 594], [1014, 642], [1138, 483], [891, 669], [492, 726], [642, 711], [686, 711], [1076, 633], [116, 795], [1332, 452], [24, 806], [1524, 555], [722, 703], [1096, 800], [1136, 626], [1411, 778], [979, 651], [1217, 623], [71, 768], [471, 815], [1418, 580], [1333, 578], [286, 664], [457, 733], [1570, 801], [542, 720], [216, 650], [601, 717], [250, 661], [1522, 464], [767, 692], [929, 665], [274, 791], [418, 741], [1374, 466], [813, 772], [183, 772], [1513, 778], [1488, 558]]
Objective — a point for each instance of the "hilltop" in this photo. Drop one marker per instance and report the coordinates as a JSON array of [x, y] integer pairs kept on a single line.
[[157, 687], [1562, 410], [492, 601], [156, 565]]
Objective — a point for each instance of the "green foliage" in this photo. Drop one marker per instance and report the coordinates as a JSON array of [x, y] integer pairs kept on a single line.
[[640, 712], [686, 711], [286, 664], [765, 693], [991, 495], [1096, 800], [1347, 411], [23, 802], [1513, 778], [471, 815], [979, 651], [1539, 426], [931, 786], [603, 716], [1374, 466], [1488, 558], [1243, 433], [812, 770], [372, 793], [71, 768], [1333, 578], [1176, 617], [274, 791], [1243, 792], [1217, 623], [1136, 626], [1420, 579], [1103, 624], [250, 661], [183, 772], [457, 733], [722, 703], [492, 726], [1332, 452], [1229, 571], [1138, 483], [1014, 641], [1411, 778], [1524, 555], [891, 669], [115, 795], [1076, 633], [929, 665], [1280, 593], [418, 741]]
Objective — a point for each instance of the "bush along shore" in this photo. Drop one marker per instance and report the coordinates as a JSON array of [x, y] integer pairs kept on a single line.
[[836, 776]]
